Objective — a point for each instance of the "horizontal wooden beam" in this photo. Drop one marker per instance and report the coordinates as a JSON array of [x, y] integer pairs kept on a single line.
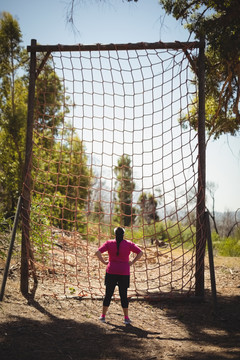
[[111, 47]]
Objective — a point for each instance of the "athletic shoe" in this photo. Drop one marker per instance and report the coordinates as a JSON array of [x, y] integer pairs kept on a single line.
[[102, 319], [127, 321]]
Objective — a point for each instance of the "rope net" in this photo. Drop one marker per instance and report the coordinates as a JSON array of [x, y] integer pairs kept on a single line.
[[109, 149]]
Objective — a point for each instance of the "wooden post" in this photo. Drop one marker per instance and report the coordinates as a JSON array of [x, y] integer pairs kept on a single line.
[[211, 262], [27, 178], [200, 232], [13, 235]]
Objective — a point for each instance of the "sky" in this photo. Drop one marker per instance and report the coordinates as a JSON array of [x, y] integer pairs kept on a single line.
[[117, 21]]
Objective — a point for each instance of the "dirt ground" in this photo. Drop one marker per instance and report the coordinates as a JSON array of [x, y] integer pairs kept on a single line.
[[63, 329]]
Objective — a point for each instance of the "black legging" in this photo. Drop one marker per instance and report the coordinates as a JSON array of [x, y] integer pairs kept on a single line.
[[111, 280]]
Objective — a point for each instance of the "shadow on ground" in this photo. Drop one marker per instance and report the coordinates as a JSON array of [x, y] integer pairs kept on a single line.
[[23, 338], [205, 335], [211, 328]]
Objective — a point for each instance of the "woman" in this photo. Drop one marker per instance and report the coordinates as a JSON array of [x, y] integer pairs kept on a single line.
[[118, 269]]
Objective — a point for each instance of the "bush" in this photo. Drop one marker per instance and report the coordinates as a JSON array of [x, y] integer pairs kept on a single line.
[[40, 226], [177, 234], [229, 247]]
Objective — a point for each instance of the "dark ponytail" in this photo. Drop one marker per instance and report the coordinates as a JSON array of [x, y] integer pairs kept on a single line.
[[119, 232]]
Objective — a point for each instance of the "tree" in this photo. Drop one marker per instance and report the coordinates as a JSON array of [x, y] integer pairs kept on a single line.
[[13, 110], [124, 189], [218, 21], [63, 179], [95, 204], [50, 98], [148, 205], [51, 158]]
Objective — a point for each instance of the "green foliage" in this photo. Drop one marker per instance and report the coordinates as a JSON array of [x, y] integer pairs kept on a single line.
[[229, 247], [148, 207], [98, 212], [50, 98], [173, 234], [68, 192], [40, 226], [218, 21], [9, 175], [72, 290], [226, 246], [153, 231], [10, 49], [170, 233], [56, 148], [13, 110], [177, 234], [124, 189]]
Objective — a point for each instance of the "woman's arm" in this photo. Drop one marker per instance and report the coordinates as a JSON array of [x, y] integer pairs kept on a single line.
[[137, 257], [99, 256]]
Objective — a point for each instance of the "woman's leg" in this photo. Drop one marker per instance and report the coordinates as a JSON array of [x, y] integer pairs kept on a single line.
[[123, 284], [123, 297], [125, 312], [104, 310], [110, 282], [107, 299]]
